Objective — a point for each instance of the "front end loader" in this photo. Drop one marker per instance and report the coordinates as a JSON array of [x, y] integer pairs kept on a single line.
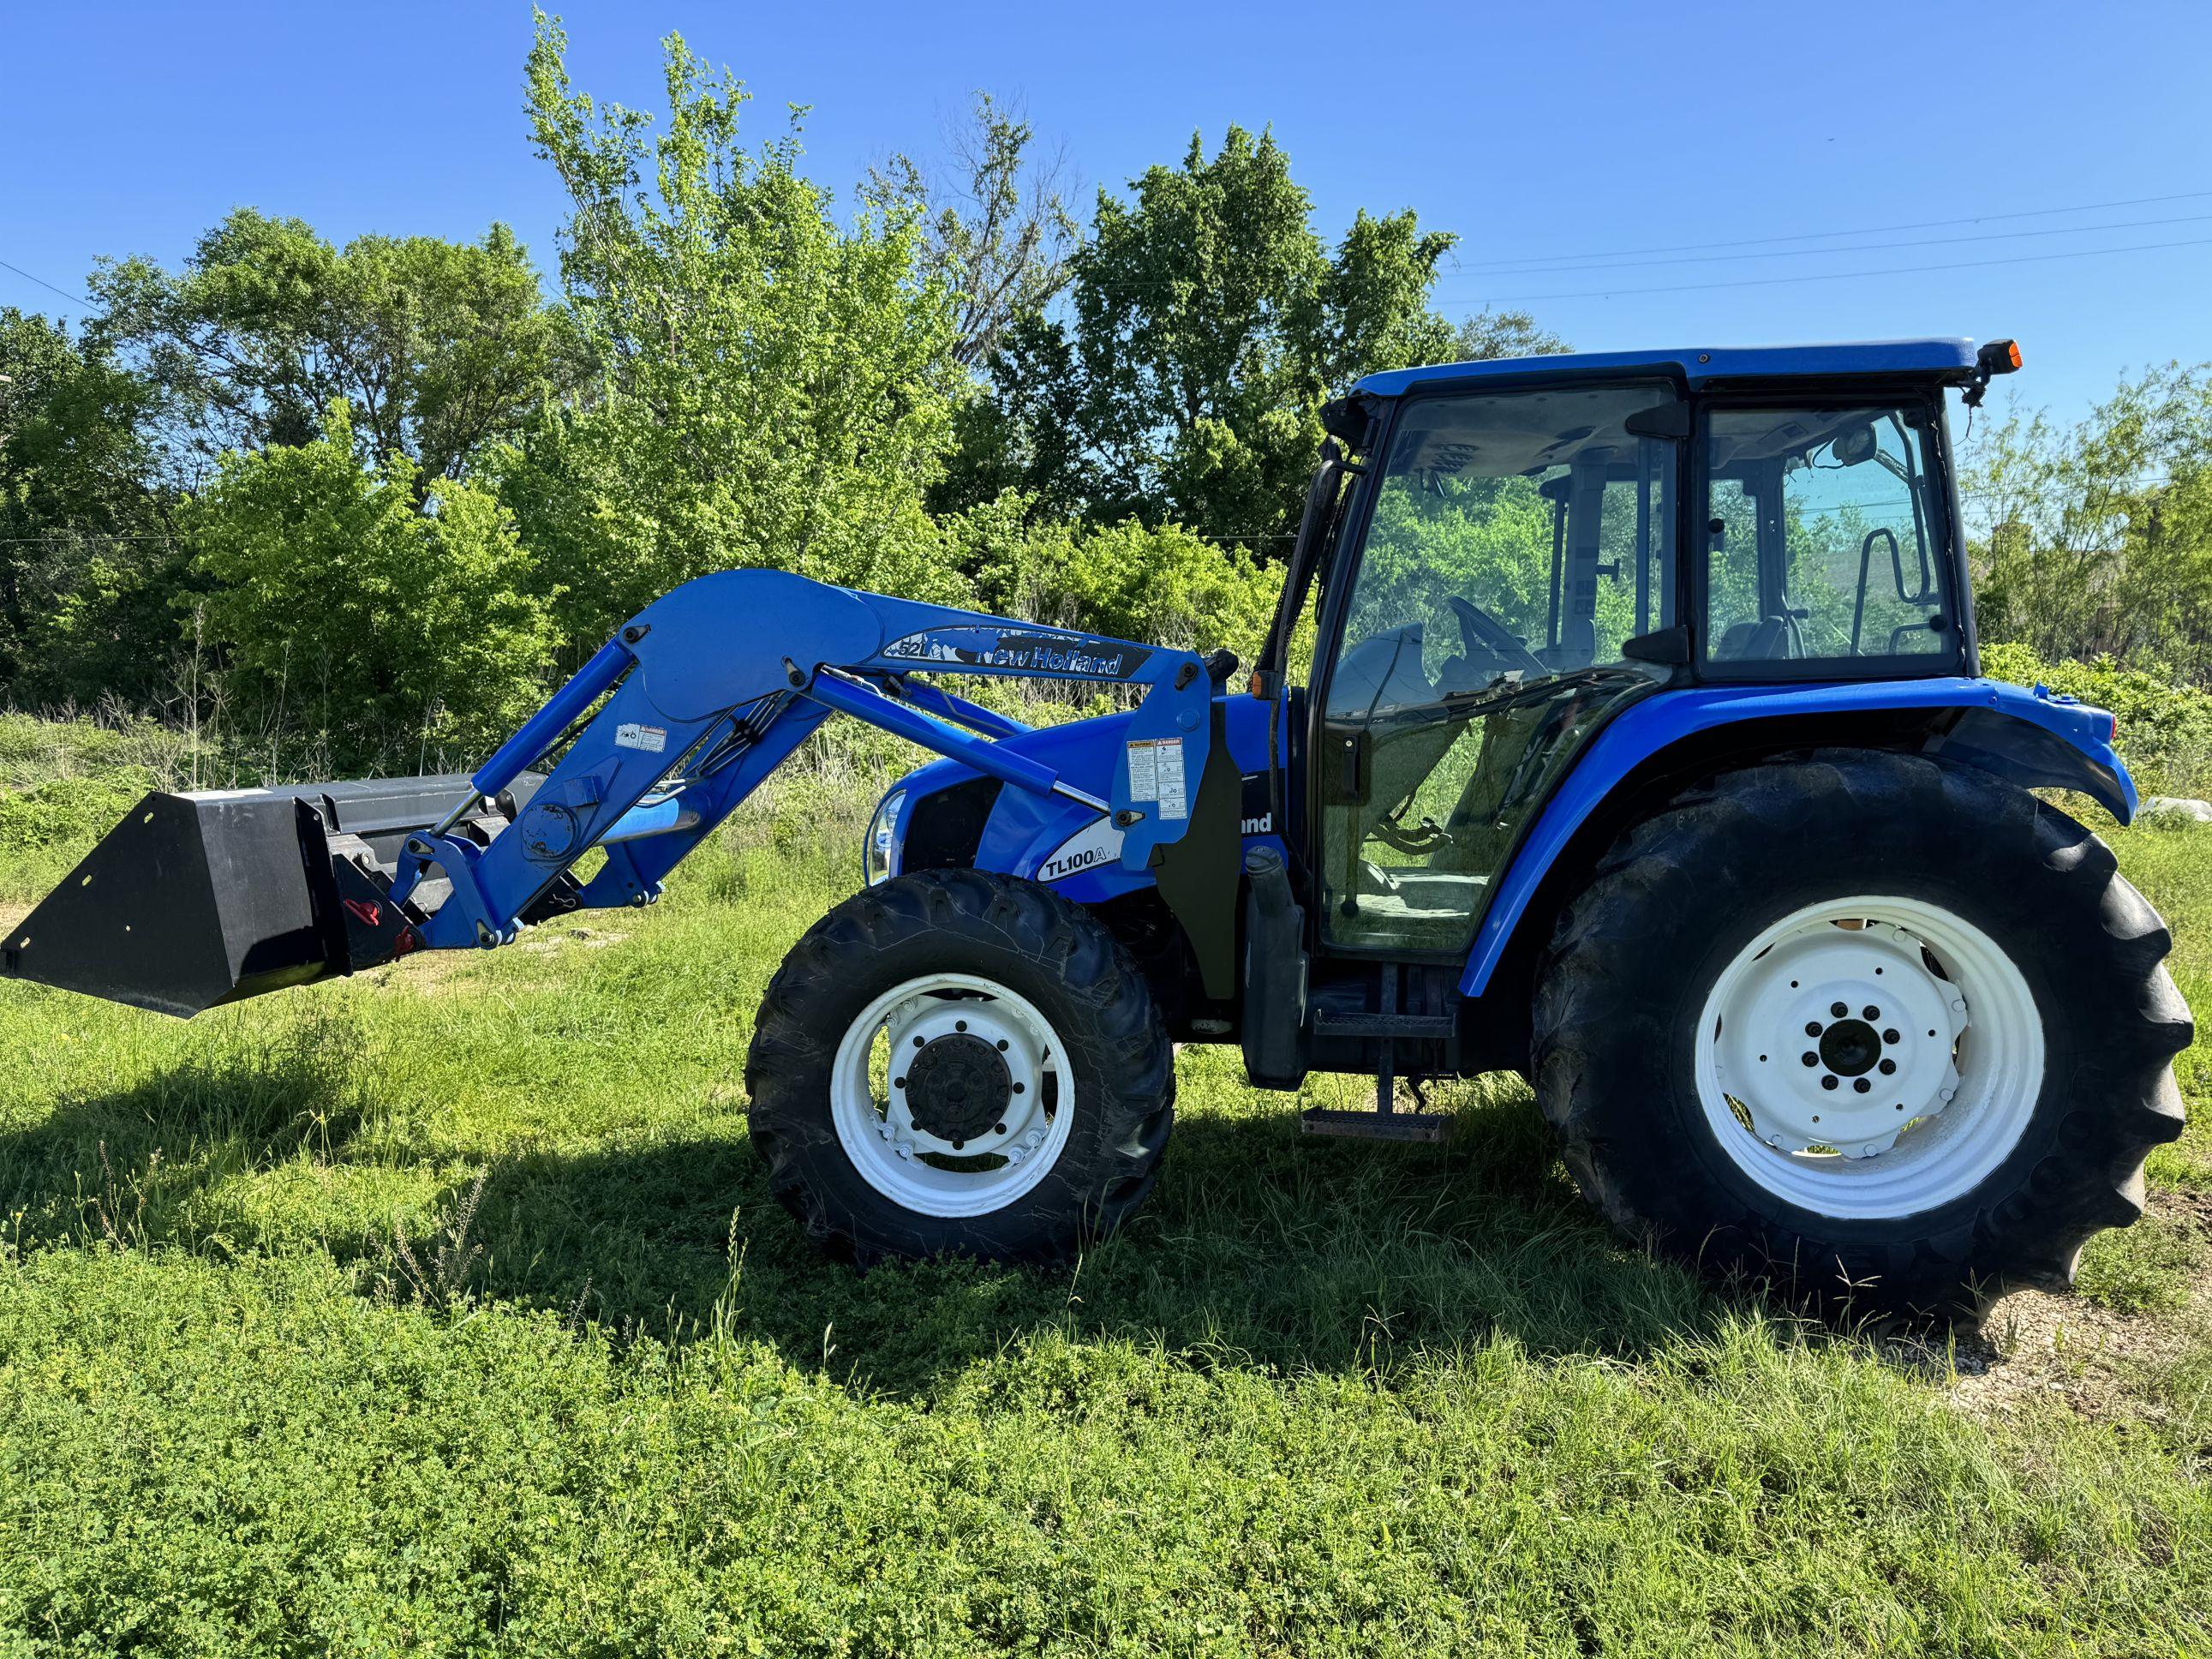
[[1620, 725]]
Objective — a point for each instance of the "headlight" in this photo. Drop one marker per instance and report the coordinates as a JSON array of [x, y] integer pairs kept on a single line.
[[880, 856]]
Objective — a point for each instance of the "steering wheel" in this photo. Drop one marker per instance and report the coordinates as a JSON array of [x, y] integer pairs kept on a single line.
[[1482, 636]]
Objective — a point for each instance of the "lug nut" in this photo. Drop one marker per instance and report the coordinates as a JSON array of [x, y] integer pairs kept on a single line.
[[1888, 1068], [1891, 1035], [1812, 1028], [1873, 1012], [1827, 1083], [1839, 1009], [1862, 1085], [1811, 1059]]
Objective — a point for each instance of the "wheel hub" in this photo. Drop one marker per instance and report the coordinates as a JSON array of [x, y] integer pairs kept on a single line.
[[957, 1087], [1849, 1048], [1837, 1036]]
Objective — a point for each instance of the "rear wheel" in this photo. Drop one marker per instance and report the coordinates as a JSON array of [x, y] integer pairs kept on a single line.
[[1881, 1029], [956, 1061]]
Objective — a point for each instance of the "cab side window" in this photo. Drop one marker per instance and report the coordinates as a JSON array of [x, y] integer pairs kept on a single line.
[[1819, 540]]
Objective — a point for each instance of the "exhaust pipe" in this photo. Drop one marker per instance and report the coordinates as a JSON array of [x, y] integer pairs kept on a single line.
[[198, 900]]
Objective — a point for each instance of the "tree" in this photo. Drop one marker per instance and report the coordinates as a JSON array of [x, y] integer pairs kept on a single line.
[[437, 348], [86, 555], [1492, 333], [342, 609], [775, 387], [2096, 540], [1000, 236], [1204, 324]]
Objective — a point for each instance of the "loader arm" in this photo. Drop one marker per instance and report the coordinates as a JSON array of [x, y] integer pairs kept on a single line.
[[196, 900], [715, 684]]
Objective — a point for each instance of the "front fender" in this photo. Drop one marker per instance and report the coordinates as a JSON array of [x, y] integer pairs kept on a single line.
[[2034, 739]]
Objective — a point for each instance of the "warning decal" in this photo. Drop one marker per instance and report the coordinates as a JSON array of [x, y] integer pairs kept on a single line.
[[1156, 773], [654, 740]]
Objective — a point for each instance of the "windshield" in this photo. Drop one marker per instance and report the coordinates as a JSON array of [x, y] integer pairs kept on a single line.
[[1514, 536]]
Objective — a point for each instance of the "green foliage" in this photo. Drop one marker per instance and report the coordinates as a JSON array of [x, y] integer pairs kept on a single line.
[[1206, 323], [86, 560], [776, 386], [1162, 586], [72, 812], [2097, 540], [437, 348], [395, 631]]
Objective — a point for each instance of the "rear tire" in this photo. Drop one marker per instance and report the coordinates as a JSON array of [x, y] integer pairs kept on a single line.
[[1686, 1045], [959, 1062]]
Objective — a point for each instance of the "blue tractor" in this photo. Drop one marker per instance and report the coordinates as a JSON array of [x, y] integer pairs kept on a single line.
[[1620, 727]]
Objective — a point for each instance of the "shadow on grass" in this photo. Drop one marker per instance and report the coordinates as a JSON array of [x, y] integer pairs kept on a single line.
[[1259, 1246], [142, 1165]]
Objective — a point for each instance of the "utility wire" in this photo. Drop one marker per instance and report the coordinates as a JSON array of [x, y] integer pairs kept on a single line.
[[1864, 247], [1847, 275], [43, 283], [1817, 235]]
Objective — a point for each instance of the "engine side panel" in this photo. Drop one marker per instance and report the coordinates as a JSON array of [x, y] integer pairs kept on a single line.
[[1064, 843]]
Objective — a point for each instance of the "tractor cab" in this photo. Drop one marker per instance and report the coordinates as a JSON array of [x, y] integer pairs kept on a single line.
[[1505, 572], [1524, 550]]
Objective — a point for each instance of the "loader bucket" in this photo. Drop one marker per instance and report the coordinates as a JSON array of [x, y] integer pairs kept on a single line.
[[198, 900]]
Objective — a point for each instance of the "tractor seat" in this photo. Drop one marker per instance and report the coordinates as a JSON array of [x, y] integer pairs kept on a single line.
[[1752, 641]]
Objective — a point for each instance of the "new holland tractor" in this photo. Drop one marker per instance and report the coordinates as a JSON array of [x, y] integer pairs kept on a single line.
[[1620, 727]]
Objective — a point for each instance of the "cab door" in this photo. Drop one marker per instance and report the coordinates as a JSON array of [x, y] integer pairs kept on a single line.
[[1514, 541]]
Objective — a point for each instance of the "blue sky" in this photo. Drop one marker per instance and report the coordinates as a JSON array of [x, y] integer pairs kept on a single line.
[[1649, 133]]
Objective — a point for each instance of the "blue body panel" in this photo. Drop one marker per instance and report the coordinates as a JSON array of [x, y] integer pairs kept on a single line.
[[2009, 746], [1697, 365], [1025, 829], [2033, 738]]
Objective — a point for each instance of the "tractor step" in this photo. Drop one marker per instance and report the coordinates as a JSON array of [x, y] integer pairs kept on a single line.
[[1364, 1024], [1373, 1124]]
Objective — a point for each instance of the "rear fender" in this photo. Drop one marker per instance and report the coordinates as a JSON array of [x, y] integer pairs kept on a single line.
[[2033, 738]]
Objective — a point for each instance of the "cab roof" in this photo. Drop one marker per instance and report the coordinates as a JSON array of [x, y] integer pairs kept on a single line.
[[1938, 358]]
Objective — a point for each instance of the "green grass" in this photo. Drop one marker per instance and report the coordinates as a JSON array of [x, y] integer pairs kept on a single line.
[[1320, 1397]]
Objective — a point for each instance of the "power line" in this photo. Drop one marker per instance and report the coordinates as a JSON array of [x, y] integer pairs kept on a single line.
[[1817, 235], [43, 283], [1868, 247], [1847, 275]]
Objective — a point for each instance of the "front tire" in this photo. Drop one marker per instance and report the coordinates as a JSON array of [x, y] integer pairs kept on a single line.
[[958, 1062], [1879, 1029]]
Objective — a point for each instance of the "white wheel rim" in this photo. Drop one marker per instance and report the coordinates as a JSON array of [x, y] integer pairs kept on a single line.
[[1953, 1019], [933, 1174]]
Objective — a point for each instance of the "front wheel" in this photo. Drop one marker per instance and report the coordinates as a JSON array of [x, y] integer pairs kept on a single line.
[[1882, 1028], [960, 1062]]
